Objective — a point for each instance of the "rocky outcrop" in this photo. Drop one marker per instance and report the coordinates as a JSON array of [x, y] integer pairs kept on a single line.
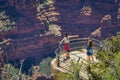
[[35, 47], [110, 29], [24, 13], [71, 16]]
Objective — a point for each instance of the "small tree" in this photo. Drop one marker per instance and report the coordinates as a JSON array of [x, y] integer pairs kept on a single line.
[[108, 67], [5, 22], [10, 72], [72, 74], [45, 66]]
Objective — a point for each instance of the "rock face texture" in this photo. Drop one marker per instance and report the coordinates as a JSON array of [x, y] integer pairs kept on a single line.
[[71, 15], [29, 39], [25, 39]]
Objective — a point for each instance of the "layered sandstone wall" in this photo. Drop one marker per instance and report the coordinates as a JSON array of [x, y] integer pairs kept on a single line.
[[26, 38]]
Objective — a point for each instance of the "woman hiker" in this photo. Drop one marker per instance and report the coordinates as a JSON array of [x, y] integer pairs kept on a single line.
[[90, 51], [66, 46]]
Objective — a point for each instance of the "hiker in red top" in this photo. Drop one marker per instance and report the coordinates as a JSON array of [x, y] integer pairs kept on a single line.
[[66, 46]]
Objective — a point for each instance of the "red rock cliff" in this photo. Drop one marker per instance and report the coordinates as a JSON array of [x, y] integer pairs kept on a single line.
[[72, 19]]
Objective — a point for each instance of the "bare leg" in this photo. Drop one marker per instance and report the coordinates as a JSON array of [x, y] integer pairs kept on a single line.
[[67, 55], [92, 58], [88, 58]]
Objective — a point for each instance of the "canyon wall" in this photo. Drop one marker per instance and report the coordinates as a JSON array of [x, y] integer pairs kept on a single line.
[[29, 39]]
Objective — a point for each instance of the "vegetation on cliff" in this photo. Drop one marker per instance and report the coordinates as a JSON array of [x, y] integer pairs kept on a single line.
[[47, 14], [5, 22], [45, 68]]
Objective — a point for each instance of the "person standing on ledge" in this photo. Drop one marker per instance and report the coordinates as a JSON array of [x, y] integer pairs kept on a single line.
[[66, 42], [90, 51]]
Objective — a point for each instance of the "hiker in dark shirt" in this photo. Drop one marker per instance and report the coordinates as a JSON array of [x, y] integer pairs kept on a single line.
[[90, 51]]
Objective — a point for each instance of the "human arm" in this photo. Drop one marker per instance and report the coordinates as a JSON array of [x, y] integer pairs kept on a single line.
[[73, 36], [60, 42]]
